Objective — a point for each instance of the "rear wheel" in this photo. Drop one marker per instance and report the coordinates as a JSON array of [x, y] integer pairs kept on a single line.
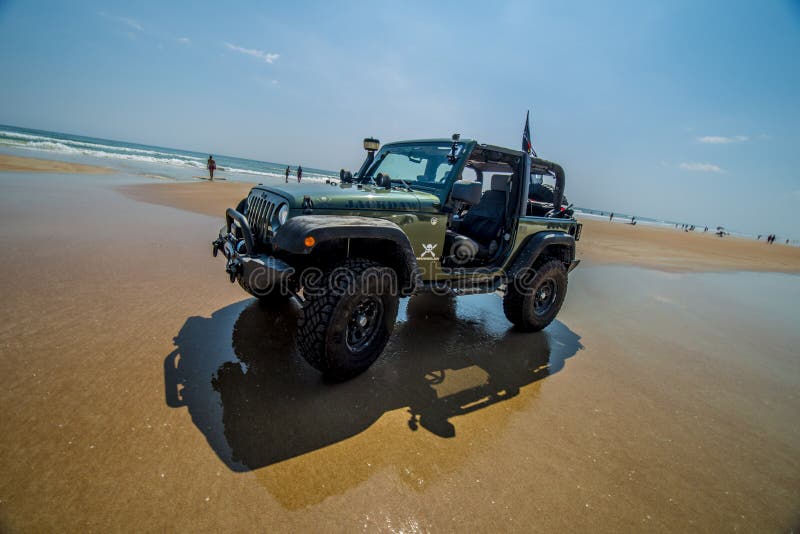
[[533, 300], [347, 320]]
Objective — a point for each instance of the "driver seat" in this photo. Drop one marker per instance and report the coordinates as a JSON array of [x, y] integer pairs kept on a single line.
[[478, 232]]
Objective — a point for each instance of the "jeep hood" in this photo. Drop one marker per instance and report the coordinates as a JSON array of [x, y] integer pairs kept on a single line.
[[351, 197]]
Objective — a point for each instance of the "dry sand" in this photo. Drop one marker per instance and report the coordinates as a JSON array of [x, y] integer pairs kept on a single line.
[[678, 251], [22, 164], [142, 391]]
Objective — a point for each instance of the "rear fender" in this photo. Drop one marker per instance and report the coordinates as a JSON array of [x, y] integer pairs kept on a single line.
[[561, 244]]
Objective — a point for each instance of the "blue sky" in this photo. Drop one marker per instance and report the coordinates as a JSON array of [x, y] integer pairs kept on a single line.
[[682, 110]]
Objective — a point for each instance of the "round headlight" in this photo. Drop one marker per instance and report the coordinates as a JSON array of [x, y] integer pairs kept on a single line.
[[283, 214]]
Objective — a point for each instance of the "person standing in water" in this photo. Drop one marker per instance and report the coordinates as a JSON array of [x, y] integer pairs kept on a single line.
[[211, 165], [288, 172], [299, 173]]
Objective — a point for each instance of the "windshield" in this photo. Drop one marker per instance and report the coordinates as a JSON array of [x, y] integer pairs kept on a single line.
[[425, 166]]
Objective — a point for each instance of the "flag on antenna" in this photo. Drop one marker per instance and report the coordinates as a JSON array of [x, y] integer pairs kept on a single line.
[[527, 146]]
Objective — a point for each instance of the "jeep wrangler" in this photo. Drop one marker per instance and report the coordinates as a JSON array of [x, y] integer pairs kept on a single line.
[[439, 215]]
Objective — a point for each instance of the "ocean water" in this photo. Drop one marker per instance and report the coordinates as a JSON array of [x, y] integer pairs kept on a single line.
[[142, 159]]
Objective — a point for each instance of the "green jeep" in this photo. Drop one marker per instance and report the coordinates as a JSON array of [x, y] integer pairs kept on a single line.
[[447, 216]]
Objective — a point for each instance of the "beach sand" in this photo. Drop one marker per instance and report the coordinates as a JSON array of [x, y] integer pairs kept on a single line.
[[144, 391], [24, 164]]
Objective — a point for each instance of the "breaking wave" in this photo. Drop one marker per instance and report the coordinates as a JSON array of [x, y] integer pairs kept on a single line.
[[127, 152]]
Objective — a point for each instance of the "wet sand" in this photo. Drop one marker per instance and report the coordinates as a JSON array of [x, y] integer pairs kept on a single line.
[[22, 164], [143, 390]]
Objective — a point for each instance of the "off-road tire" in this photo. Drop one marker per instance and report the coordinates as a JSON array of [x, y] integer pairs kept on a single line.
[[520, 303], [326, 321]]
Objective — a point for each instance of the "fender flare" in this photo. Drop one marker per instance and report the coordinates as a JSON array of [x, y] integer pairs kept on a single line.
[[533, 247], [325, 228]]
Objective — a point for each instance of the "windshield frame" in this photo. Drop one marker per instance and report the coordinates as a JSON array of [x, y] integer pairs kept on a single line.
[[440, 189]]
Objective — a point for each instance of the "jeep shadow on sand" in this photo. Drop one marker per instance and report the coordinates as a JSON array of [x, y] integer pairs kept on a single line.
[[258, 403], [436, 215]]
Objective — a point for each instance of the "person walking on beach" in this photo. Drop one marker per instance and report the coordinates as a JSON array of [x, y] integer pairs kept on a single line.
[[299, 173], [611, 217], [288, 172], [211, 165]]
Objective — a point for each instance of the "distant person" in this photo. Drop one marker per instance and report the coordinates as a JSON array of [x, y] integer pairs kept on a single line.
[[288, 172], [633, 219], [211, 165], [611, 217], [706, 230], [299, 173], [341, 175]]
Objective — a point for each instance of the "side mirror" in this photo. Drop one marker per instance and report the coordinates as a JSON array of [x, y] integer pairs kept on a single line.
[[467, 192], [383, 180]]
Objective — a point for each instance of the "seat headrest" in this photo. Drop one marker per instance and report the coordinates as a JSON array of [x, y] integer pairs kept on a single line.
[[500, 182], [466, 191]]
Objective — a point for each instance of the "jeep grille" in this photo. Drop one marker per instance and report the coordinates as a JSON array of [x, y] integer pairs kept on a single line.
[[261, 207]]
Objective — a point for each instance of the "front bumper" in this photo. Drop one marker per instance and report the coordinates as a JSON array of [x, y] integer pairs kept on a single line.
[[258, 273]]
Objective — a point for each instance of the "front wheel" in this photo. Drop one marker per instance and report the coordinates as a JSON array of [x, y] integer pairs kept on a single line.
[[533, 300], [348, 319]]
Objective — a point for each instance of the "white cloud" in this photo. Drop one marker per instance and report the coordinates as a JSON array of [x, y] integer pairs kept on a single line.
[[266, 57], [700, 167], [184, 40], [127, 21], [722, 140], [132, 23]]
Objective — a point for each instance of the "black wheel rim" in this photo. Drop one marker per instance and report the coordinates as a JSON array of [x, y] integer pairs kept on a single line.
[[364, 323], [545, 296]]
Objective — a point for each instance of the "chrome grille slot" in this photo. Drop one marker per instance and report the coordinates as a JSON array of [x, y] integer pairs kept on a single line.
[[260, 208], [268, 216]]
